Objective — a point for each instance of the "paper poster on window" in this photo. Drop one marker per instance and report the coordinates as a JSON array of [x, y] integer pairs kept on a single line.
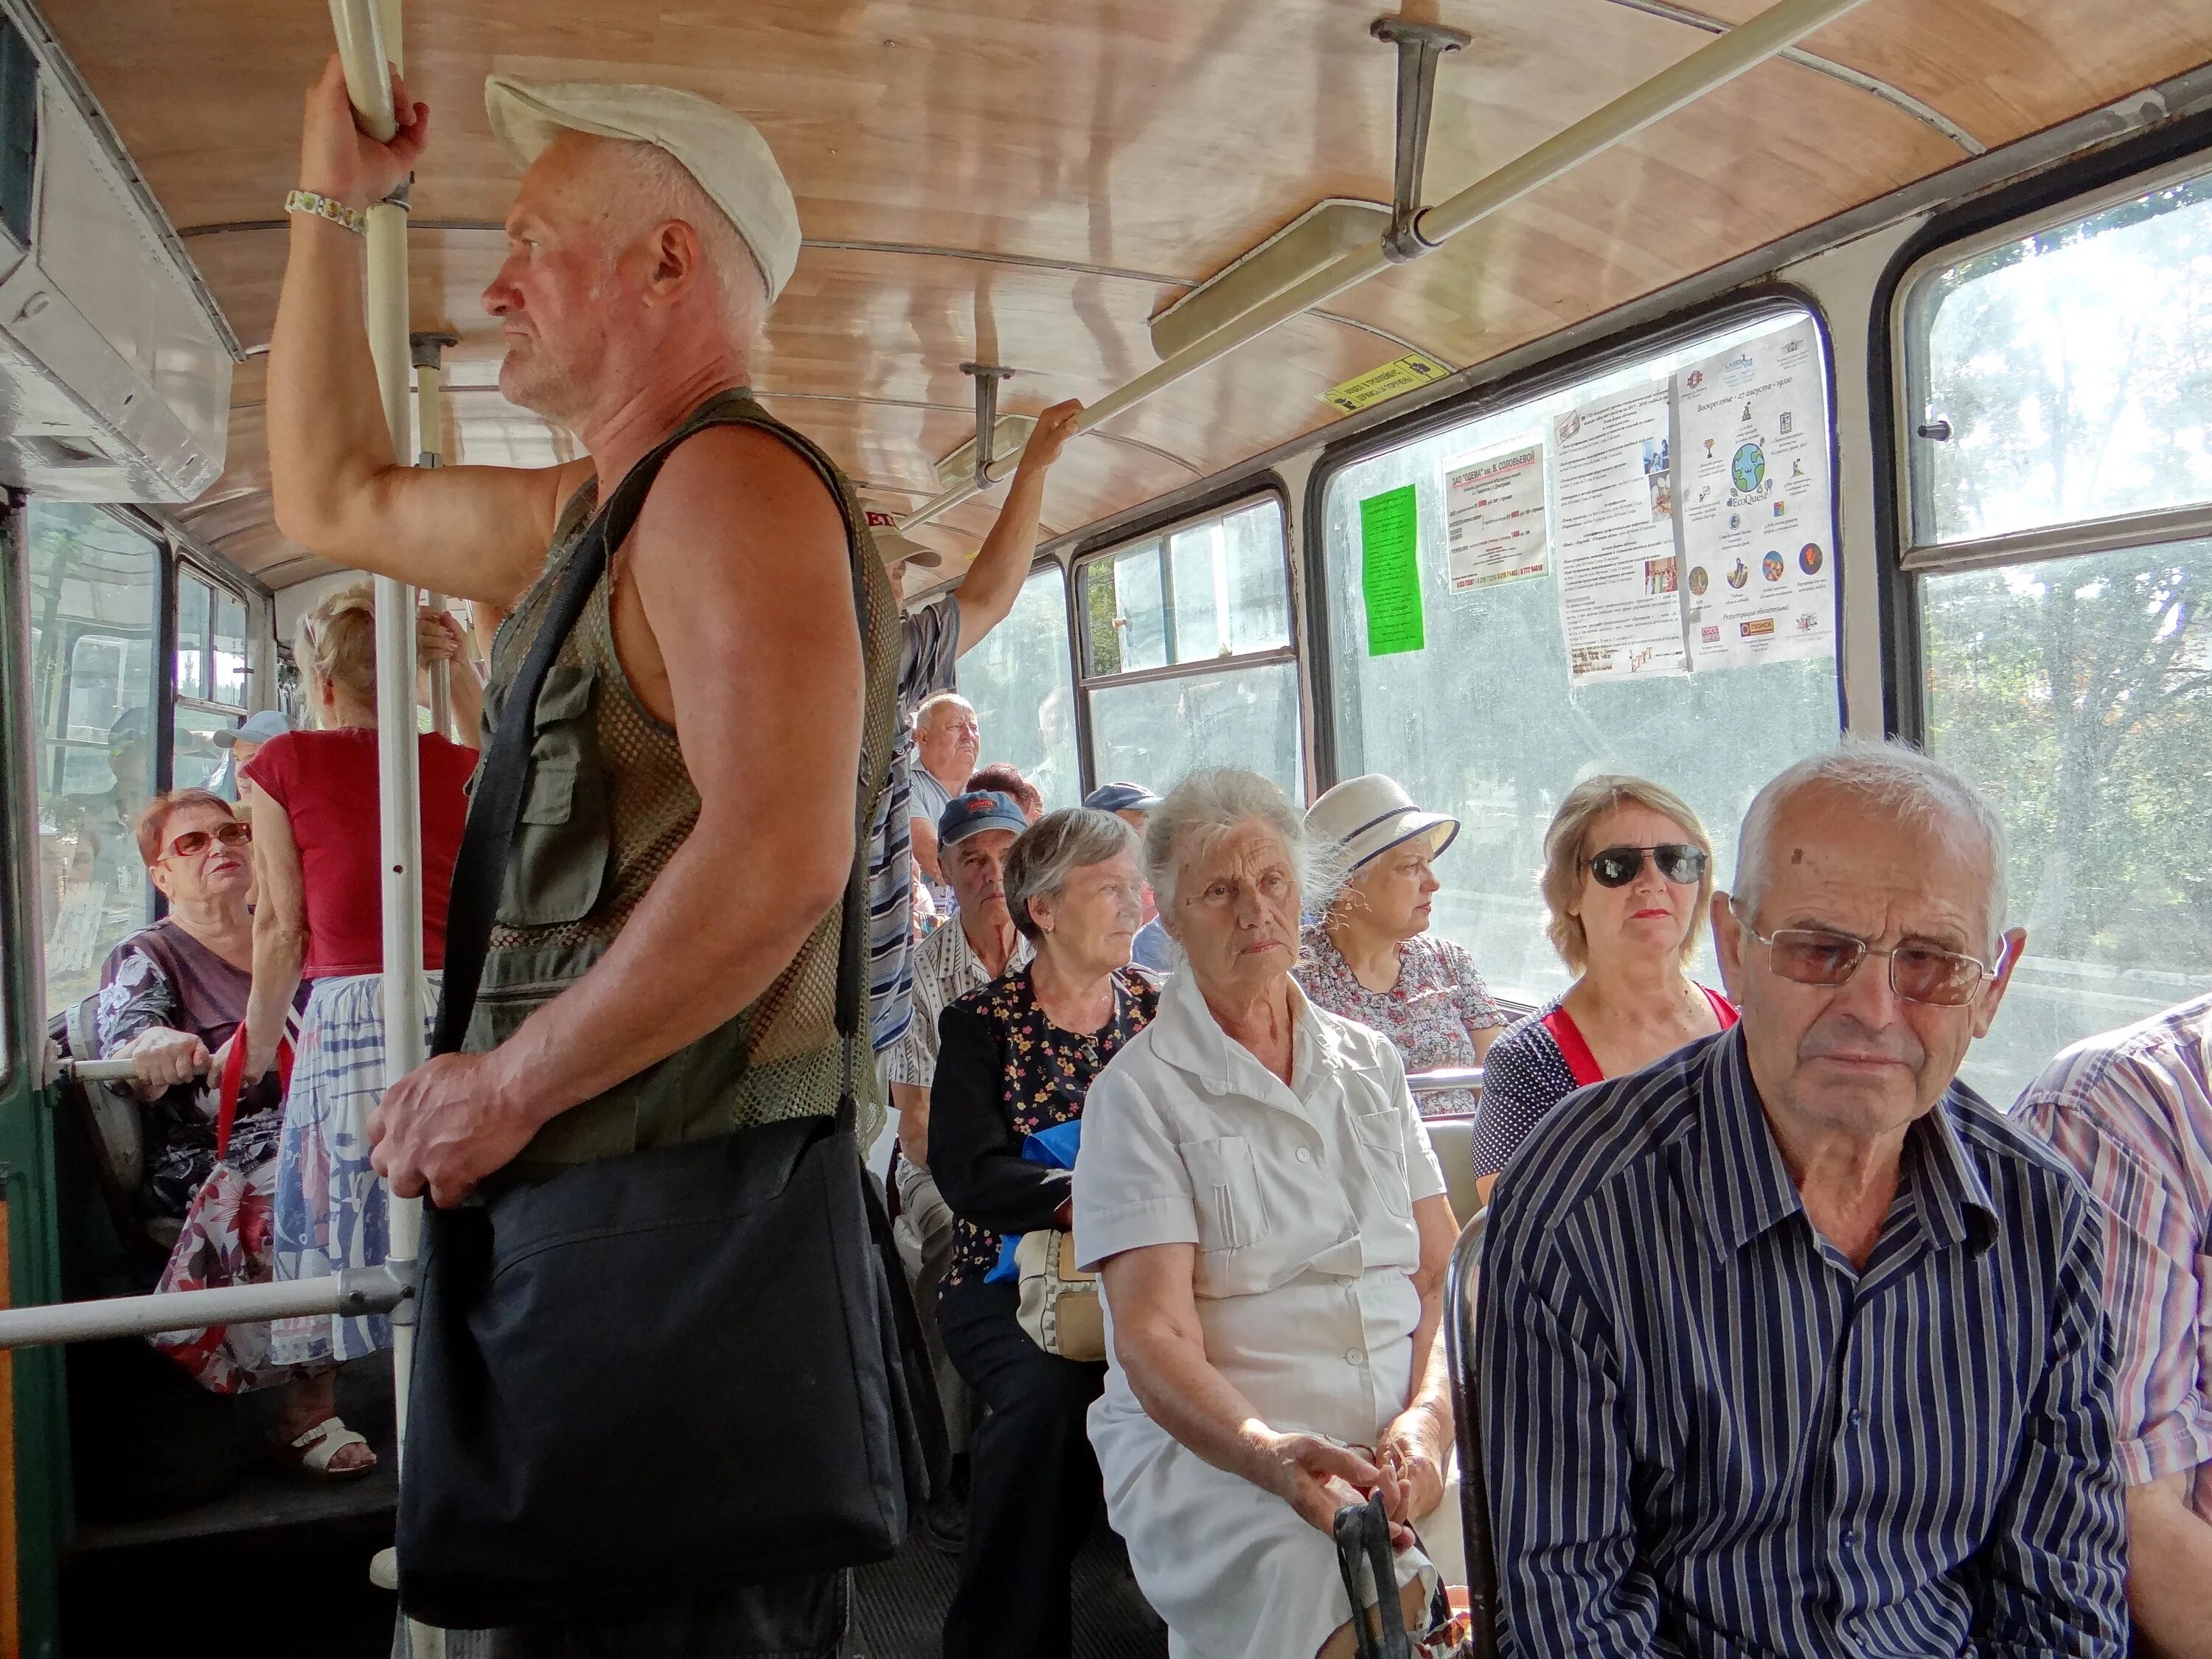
[[1614, 540], [1390, 571], [1496, 530], [1759, 561]]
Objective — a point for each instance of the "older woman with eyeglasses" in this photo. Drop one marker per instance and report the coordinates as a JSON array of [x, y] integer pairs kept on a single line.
[[170, 996], [1628, 878]]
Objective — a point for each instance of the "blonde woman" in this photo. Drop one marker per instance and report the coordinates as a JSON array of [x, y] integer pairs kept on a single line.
[[320, 918], [1628, 878]]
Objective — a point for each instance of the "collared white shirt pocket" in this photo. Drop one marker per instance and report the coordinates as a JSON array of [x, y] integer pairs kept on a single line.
[[1224, 1185], [1381, 1142]]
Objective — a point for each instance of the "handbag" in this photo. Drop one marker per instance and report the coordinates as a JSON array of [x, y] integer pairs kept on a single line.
[[225, 1240], [1060, 1308], [1368, 1562], [616, 1365]]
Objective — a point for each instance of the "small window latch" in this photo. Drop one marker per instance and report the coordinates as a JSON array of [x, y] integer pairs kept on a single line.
[[1935, 431]]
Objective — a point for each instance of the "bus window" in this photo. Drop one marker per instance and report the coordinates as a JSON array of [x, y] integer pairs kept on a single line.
[[1024, 694], [210, 686], [94, 586], [1187, 654], [1478, 719], [2075, 686]]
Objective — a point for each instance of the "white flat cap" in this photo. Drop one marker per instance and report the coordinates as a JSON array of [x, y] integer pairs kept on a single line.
[[895, 550], [720, 149], [1368, 815]]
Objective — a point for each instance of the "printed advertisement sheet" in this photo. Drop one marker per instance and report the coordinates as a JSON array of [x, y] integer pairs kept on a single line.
[[1615, 539], [1494, 516]]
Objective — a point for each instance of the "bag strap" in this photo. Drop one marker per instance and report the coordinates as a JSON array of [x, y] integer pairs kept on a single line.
[[232, 1085], [1363, 1536]]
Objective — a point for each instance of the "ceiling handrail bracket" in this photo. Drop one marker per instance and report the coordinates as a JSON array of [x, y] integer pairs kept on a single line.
[[987, 376], [1419, 47]]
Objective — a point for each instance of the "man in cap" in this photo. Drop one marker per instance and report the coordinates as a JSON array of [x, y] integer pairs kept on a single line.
[[973, 833], [710, 711], [1132, 804]]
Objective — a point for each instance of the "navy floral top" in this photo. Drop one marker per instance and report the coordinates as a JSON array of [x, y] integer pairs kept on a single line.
[[1003, 1072]]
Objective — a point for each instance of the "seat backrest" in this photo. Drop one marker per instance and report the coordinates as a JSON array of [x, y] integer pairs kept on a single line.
[[1452, 1138], [113, 1129]]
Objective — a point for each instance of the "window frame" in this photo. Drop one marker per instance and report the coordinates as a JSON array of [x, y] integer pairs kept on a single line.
[[1232, 498], [1600, 357], [1918, 553]]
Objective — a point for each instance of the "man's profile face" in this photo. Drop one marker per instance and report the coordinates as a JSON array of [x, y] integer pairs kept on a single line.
[[558, 293], [1856, 1057]]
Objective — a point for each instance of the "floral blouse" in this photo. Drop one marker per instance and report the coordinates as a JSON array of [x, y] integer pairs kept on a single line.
[[1432, 1013], [1003, 1072]]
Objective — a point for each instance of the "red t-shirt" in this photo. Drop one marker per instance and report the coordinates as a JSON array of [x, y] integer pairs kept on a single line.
[[326, 783]]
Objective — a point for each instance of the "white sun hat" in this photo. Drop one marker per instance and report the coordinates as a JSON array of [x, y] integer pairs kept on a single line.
[[895, 550], [719, 148], [1368, 815]]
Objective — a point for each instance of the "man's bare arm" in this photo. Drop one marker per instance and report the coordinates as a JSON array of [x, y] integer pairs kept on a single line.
[[986, 593], [477, 532], [912, 1101], [738, 559], [2170, 1569]]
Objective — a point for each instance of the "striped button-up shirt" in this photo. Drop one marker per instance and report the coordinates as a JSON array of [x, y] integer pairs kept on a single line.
[[2132, 1111], [929, 646], [1706, 1433]]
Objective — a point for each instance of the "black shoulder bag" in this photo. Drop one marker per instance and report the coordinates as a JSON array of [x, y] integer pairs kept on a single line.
[[660, 1374]]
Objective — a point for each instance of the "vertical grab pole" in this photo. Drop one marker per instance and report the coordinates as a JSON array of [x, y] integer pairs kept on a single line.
[[426, 350], [369, 34]]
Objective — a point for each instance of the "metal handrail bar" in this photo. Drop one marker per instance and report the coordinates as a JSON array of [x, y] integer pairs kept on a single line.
[[1460, 1283], [1443, 1078], [356, 1291], [96, 1071], [1722, 60]]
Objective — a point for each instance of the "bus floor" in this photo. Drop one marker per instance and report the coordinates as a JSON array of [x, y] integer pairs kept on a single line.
[[289, 1589]]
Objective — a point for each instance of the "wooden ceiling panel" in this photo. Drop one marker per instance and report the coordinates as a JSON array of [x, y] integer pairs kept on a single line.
[[2002, 69]]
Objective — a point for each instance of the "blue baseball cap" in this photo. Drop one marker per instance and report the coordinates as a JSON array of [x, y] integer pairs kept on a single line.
[[1120, 797], [975, 811], [258, 728]]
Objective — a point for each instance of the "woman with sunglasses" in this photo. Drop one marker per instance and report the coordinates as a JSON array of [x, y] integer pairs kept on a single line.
[[321, 918], [1628, 878], [170, 996]]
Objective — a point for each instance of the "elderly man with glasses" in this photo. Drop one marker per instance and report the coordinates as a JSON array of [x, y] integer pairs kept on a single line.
[[1789, 1343]]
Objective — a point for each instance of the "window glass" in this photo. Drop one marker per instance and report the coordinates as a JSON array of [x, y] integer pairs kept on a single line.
[[1153, 731], [226, 651], [2069, 366], [1019, 681], [1212, 589], [193, 598], [1476, 716], [94, 584], [196, 762]]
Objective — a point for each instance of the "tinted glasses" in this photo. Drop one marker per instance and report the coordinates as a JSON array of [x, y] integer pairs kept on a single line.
[[1616, 866], [1917, 973], [193, 842]]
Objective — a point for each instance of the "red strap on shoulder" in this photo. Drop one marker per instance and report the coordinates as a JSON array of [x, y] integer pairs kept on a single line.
[[1581, 1062], [1723, 1010]]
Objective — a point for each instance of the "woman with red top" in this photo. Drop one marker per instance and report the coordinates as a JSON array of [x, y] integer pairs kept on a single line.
[[320, 917], [1628, 876]]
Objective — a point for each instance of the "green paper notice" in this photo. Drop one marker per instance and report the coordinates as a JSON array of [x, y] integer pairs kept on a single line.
[[1390, 572]]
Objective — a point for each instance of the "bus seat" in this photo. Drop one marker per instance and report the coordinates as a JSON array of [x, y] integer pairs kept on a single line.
[[115, 1134], [1462, 1285], [1452, 1140]]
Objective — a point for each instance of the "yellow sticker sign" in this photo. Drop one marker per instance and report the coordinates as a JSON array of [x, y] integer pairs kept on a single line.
[[1381, 385]]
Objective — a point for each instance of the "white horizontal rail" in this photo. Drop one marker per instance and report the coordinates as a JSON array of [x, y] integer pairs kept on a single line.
[[1722, 60], [1445, 1078], [354, 1292], [99, 1071]]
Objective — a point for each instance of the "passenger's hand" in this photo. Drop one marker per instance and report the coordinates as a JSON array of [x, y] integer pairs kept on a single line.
[[1316, 1477], [166, 1058], [338, 159], [442, 1129], [1414, 1452], [439, 637], [1049, 436]]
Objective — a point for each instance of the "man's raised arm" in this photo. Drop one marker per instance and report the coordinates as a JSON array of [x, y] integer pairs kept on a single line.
[[986, 593], [479, 533]]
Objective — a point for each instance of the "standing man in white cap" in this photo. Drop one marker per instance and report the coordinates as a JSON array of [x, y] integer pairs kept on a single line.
[[705, 719]]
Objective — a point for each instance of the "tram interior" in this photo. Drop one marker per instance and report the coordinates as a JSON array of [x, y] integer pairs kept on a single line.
[[1986, 227]]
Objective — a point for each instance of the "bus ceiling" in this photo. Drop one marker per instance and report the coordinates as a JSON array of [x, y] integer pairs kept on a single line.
[[1049, 192]]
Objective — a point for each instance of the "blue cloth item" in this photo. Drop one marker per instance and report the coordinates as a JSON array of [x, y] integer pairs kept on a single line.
[[1054, 1148], [929, 646], [1707, 1434], [1120, 797], [1151, 948], [975, 811]]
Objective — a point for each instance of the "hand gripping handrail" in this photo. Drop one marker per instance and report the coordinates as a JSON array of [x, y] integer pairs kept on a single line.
[[1460, 1287], [1720, 60]]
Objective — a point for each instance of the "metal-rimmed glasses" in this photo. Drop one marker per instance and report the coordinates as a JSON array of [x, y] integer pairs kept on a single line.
[[1917, 973], [233, 835]]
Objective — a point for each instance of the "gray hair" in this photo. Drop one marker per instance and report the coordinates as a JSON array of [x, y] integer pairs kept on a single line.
[[1211, 803], [655, 187], [1044, 855], [1891, 777], [926, 710]]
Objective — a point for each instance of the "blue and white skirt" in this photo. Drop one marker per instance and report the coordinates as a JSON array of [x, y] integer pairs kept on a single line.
[[331, 1209]]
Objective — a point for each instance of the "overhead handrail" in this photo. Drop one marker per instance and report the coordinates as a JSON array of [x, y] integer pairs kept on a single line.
[[1460, 1286], [1714, 64]]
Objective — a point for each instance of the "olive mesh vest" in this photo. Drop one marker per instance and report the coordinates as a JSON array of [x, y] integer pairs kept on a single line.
[[609, 801]]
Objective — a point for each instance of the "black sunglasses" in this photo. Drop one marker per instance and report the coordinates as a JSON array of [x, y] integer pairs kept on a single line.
[[1616, 866]]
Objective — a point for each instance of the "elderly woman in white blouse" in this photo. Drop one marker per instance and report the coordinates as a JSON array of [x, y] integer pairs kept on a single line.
[[1272, 1233]]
